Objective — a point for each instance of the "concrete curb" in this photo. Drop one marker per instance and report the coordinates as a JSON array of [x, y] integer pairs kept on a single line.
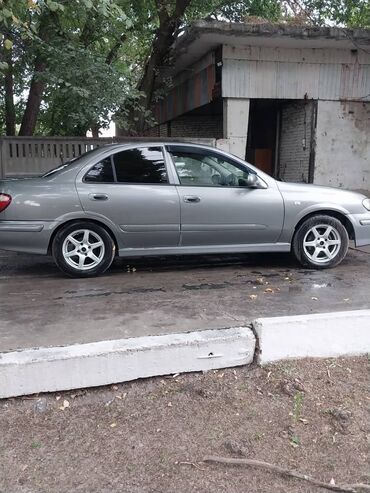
[[52, 369], [316, 336], [100, 363]]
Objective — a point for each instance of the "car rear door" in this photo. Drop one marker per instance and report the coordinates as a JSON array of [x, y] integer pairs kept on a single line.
[[131, 188], [217, 206]]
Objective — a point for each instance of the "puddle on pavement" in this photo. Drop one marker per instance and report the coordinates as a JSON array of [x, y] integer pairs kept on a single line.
[[295, 289], [206, 286], [109, 293], [322, 285]]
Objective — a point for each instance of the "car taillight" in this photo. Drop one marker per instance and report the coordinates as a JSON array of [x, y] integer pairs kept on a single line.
[[5, 200]]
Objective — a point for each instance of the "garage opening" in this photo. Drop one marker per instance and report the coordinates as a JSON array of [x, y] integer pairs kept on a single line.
[[281, 138]]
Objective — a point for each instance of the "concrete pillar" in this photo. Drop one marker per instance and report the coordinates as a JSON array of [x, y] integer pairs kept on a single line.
[[236, 117]]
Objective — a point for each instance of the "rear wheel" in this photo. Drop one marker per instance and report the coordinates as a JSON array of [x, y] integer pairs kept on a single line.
[[83, 249], [320, 242]]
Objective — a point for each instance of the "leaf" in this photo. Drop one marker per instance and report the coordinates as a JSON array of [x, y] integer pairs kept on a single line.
[[88, 4], [53, 6], [7, 13], [65, 405], [8, 44]]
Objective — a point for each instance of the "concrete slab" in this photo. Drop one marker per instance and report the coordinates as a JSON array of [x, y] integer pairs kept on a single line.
[[323, 335], [100, 363], [39, 307]]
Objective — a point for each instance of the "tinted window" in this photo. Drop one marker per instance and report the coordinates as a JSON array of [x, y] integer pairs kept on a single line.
[[141, 165], [101, 172], [205, 168]]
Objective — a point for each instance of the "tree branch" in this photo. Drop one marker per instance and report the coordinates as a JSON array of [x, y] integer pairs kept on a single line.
[[181, 6], [348, 488], [113, 52], [162, 12]]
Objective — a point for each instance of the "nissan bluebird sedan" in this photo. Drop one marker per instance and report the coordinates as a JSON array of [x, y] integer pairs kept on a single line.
[[167, 198]]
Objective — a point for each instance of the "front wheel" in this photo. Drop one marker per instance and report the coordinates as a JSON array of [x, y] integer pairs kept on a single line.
[[320, 242], [83, 249]]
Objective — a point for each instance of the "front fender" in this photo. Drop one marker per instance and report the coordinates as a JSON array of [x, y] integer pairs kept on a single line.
[[294, 213]]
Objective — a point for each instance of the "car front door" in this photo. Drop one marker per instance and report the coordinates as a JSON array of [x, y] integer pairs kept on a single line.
[[218, 207], [131, 189]]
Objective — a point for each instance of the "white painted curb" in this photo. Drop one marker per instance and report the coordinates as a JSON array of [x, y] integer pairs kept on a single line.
[[100, 363], [315, 336]]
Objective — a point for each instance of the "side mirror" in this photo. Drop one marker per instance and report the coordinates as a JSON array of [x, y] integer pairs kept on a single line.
[[252, 180]]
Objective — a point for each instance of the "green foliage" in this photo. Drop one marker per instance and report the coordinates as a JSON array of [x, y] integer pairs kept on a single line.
[[297, 406], [238, 11], [347, 13], [94, 52]]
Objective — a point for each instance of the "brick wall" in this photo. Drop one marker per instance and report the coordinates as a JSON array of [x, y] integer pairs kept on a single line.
[[295, 141], [157, 131], [197, 126]]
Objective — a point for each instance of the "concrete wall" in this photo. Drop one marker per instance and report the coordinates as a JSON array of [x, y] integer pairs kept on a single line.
[[295, 141], [343, 145], [236, 119]]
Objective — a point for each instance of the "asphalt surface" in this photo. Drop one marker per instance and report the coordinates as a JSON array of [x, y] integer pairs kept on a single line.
[[41, 307]]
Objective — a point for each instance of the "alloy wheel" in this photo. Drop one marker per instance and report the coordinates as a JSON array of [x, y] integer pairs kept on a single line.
[[83, 249], [322, 243]]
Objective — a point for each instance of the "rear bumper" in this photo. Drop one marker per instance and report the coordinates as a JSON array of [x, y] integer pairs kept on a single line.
[[361, 225], [25, 236]]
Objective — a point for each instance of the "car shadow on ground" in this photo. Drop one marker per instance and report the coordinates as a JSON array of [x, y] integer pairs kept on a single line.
[[37, 266]]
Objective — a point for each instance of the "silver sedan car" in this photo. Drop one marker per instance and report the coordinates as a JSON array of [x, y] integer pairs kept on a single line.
[[166, 198]]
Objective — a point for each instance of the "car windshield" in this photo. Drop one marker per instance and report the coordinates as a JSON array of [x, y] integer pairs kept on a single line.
[[67, 164]]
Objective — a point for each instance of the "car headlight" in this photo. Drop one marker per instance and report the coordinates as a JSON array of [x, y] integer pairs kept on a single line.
[[366, 204]]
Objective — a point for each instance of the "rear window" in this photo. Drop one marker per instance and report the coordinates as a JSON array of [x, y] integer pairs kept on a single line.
[[101, 172]]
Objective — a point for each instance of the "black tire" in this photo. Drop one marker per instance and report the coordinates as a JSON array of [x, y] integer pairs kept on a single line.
[[66, 258], [305, 253]]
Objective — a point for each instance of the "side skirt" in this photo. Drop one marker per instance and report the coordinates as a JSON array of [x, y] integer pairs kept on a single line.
[[204, 249]]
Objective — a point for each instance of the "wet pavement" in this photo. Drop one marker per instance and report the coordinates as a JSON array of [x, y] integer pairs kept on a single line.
[[137, 297]]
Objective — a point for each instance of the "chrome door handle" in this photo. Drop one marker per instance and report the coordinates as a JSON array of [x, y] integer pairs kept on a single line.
[[191, 198], [98, 196]]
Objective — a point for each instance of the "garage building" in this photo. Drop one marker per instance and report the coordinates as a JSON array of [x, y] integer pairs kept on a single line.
[[293, 100]]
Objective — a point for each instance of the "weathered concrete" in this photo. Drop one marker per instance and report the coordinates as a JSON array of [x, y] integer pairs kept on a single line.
[[40, 307], [236, 118], [342, 145], [323, 335], [100, 363]]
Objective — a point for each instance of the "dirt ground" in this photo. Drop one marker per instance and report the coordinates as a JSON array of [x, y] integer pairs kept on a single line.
[[151, 435]]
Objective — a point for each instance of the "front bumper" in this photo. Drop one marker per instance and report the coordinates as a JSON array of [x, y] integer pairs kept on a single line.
[[25, 236], [361, 225]]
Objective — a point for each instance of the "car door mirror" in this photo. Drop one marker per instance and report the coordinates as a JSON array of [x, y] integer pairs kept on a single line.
[[252, 181]]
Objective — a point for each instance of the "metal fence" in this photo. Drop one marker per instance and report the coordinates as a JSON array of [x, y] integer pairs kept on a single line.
[[30, 156]]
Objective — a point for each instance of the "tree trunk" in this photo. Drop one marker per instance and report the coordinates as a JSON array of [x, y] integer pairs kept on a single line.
[[35, 94], [95, 131], [9, 94], [168, 25], [47, 27]]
